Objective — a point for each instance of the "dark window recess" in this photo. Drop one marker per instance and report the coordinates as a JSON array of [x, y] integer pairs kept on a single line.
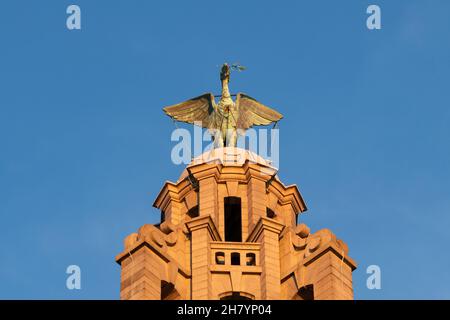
[[235, 296], [193, 212], [163, 216], [233, 219], [270, 213], [166, 290], [306, 292], [250, 259], [235, 259], [220, 258]]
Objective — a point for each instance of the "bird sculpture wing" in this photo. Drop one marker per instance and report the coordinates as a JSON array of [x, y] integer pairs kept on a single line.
[[200, 109], [253, 113]]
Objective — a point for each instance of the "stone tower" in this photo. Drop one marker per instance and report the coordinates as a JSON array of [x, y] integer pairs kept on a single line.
[[229, 230]]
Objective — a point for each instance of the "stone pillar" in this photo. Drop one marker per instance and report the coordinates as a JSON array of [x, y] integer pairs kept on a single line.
[[267, 232], [173, 213], [256, 195], [330, 273], [208, 202], [141, 276], [203, 231]]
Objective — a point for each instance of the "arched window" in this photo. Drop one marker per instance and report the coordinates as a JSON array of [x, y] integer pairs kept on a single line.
[[235, 259], [250, 259], [237, 296], [233, 219], [220, 258]]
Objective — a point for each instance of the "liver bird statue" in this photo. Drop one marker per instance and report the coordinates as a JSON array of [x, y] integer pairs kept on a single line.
[[227, 119]]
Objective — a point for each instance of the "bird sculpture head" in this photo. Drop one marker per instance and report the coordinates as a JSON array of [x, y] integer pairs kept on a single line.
[[225, 72]]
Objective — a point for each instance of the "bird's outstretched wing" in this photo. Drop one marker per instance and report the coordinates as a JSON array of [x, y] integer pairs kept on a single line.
[[253, 113], [199, 109]]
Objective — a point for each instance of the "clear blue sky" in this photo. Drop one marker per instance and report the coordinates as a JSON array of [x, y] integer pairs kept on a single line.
[[85, 147]]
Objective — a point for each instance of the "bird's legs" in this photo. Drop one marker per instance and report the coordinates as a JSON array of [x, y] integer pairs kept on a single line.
[[231, 138]]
